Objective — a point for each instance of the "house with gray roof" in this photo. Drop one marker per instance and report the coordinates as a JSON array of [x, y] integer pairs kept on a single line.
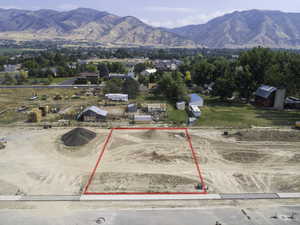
[[265, 96], [92, 114]]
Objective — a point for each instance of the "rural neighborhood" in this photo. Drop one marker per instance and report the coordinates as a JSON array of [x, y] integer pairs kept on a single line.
[[130, 115]]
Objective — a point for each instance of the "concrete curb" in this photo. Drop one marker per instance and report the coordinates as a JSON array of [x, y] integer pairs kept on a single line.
[[246, 196]]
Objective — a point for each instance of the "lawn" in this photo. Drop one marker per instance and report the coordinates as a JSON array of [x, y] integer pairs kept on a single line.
[[177, 116], [56, 80], [220, 114]]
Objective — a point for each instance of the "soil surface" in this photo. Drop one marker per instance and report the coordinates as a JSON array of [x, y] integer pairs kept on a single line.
[[36, 162]]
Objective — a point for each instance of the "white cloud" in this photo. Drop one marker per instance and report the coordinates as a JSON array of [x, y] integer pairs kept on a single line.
[[9, 7], [66, 7], [196, 18], [169, 9]]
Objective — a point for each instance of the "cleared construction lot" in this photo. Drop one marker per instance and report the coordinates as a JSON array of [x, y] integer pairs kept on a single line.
[[35, 161]]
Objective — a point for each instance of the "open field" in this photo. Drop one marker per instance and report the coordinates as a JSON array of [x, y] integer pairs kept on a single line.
[[36, 162]]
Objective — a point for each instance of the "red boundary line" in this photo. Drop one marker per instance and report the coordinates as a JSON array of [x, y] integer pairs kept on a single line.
[[98, 162], [194, 155]]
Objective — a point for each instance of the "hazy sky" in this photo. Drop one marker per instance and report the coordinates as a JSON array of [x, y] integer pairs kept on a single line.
[[168, 13]]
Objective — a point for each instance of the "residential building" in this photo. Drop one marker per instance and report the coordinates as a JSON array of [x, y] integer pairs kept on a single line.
[[148, 72], [265, 96]]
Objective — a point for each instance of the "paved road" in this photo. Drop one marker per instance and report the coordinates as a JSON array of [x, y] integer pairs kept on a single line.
[[202, 216]]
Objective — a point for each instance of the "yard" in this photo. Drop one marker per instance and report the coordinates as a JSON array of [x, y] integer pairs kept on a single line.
[[219, 114]]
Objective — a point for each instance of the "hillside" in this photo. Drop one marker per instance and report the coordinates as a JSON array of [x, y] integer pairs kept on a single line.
[[85, 25], [247, 29]]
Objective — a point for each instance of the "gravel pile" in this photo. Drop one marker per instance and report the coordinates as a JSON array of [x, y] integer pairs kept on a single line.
[[78, 137]]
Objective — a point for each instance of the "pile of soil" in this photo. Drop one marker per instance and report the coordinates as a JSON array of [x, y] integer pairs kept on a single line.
[[267, 135], [157, 157], [155, 134], [2, 146], [78, 137]]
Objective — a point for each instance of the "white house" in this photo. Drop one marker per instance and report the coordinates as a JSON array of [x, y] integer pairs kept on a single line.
[[148, 72]]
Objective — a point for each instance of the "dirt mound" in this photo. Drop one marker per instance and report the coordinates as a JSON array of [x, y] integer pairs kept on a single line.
[[154, 134], [2, 146], [267, 135], [157, 157], [78, 137]]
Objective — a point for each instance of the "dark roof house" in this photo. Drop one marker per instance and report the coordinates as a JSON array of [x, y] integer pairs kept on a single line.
[[265, 96]]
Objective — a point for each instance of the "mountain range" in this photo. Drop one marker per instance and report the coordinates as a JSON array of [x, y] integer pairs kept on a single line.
[[247, 29], [243, 29], [85, 25]]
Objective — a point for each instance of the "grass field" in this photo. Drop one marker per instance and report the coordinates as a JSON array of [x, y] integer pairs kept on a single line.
[[216, 113], [16, 50], [56, 80]]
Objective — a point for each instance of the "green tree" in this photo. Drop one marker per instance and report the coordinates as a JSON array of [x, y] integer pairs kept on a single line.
[[224, 85], [9, 79], [91, 68], [113, 86], [145, 80], [131, 87], [140, 67], [22, 77], [172, 86], [103, 70], [203, 72]]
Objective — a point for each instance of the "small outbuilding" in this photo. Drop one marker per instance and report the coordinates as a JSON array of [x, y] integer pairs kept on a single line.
[[142, 119], [265, 96], [196, 100], [180, 105], [92, 114], [157, 108], [117, 97], [132, 108]]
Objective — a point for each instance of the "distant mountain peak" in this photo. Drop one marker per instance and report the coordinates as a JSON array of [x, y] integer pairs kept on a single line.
[[242, 29], [86, 24]]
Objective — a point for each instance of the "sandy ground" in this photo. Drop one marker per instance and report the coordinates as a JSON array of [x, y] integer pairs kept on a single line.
[[146, 161], [231, 166], [35, 162]]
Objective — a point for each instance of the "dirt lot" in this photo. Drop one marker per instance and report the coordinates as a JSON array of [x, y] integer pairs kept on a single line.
[[146, 161], [250, 161], [35, 162]]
